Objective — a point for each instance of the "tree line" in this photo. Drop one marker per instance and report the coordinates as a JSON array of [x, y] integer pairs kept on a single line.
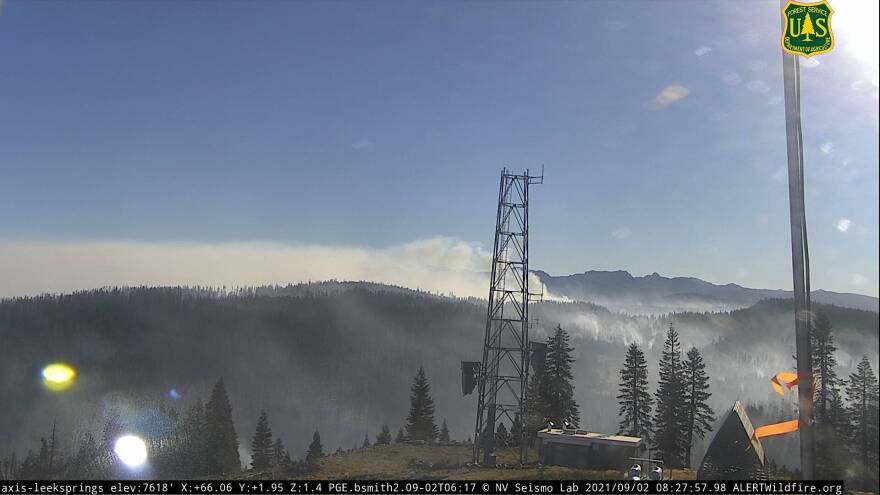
[[845, 412], [203, 442], [680, 407]]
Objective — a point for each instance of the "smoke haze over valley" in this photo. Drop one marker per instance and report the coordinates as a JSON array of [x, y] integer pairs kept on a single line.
[[340, 356], [213, 209], [440, 265]]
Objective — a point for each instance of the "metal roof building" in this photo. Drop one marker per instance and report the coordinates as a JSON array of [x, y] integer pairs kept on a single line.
[[587, 450]]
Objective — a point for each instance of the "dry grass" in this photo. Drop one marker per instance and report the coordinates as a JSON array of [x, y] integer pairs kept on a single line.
[[404, 461]]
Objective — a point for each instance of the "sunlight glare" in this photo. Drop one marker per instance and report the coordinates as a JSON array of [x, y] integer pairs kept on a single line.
[[854, 24], [132, 451], [58, 376]]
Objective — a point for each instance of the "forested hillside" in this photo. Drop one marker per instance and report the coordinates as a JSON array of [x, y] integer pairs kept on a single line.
[[340, 357]]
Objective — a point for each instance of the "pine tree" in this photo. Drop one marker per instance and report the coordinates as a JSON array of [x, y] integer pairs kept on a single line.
[[444, 433], [420, 423], [536, 418], [221, 439], [635, 400], [400, 438], [261, 445], [52, 442], [552, 396], [824, 364], [501, 434], [30, 467], [43, 458], [830, 446], [833, 438], [839, 416], [668, 438], [384, 437], [699, 416], [84, 464], [366, 441], [10, 467], [861, 390], [316, 450], [280, 456], [516, 430], [112, 429], [192, 437]]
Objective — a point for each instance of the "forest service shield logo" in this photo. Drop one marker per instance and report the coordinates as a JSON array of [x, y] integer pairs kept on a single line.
[[807, 29]]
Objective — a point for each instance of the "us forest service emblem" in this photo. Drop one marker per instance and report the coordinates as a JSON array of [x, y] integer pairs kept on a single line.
[[807, 29]]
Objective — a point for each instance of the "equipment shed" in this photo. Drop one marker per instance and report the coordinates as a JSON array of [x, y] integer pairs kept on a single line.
[[587, 450]]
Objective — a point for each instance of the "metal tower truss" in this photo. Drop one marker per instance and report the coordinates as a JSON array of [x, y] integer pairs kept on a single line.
[[504, 371]]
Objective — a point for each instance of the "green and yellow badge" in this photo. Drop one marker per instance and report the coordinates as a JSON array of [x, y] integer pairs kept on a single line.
[[807, 29]]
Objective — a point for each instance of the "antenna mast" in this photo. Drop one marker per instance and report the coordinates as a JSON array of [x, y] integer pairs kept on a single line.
[[504, 371]]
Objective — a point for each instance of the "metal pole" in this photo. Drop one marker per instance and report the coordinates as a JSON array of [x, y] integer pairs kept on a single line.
[[799, 258], [524, 342], [483, 373]]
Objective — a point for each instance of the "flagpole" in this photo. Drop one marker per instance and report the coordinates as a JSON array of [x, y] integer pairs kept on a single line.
[[800, 258]]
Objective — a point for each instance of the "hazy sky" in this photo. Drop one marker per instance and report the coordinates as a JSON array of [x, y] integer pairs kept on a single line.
[[136, 136]]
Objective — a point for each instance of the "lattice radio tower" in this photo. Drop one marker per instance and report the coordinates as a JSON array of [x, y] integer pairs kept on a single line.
[[504, 371]]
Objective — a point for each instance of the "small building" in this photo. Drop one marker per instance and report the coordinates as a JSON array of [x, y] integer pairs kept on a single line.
[[735, 452], [587, 450]]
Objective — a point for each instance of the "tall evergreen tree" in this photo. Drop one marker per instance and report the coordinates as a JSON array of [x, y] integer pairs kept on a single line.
[[824, 365], [668, 438], [384, 438], [516, 430], [862, 392], [366, 441], [699, 416], [536, 419], [261, 445], [221, 439], [501, 434], [316, 450], [84, 465], [52, 444], [838, 416], [43, 458], [420, 423], [10, 467], [400, 437], [193, 441], [634, 398], [830, 446], [552, 395], [113, 427], [444, 432], [280, 455], [29, 468]]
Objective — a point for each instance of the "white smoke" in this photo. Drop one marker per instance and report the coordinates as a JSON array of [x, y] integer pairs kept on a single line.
[[440, 265]]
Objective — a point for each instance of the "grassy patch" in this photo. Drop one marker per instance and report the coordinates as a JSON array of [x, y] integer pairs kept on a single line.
[[404, 461]]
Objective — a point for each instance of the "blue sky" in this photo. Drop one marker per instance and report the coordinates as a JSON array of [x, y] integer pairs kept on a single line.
[[370, 126]]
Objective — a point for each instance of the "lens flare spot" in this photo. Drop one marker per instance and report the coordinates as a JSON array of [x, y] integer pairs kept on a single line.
[[131, 450], [58, 376]]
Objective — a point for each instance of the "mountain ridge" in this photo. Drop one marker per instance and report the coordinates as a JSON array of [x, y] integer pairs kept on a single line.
[[655, 293]]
